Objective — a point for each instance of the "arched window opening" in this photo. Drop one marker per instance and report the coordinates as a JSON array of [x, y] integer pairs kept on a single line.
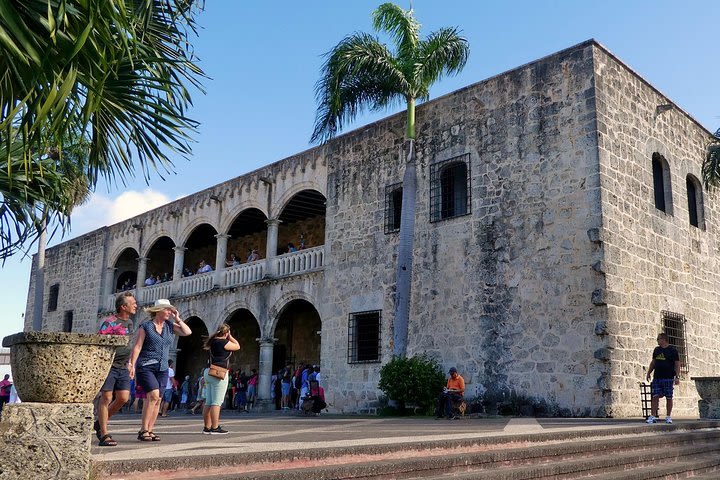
[[450, 188], [661, 183], [695, 202], [393, 207]]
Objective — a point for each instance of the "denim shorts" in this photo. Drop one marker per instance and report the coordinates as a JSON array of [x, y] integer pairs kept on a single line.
[[117, 379], [662, 387], [150, 378]]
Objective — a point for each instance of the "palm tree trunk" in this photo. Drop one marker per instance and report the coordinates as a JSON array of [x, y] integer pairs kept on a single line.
[[405, 256], [39, 278]]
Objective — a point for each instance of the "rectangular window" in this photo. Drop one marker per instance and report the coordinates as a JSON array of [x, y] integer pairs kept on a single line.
[[364, 337], [68, 321], [674, 326], [450, 188], [53, 300], [393, 207]]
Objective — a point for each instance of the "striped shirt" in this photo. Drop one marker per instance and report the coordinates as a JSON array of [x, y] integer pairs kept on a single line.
[[156, 347]]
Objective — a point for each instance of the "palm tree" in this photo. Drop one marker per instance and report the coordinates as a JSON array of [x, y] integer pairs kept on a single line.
[[361, 72], [113, 73], [711, 165]]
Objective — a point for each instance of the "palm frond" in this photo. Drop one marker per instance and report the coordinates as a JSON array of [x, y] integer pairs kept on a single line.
[[711, 165], [401, 25], [360, 72], [443, 52]]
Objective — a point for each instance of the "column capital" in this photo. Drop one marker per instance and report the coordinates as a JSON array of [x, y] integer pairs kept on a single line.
[[273, 221], [266, 341], [180, 249], [222, 235], [111, 269], [143, 259]]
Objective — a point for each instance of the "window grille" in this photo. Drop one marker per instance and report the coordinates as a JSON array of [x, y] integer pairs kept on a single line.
[[674, 326], [393, 207], [364, 337], [53, 300], [450, 188]]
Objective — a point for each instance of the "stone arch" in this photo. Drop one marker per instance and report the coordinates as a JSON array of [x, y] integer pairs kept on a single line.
[[158, 234], [230, 216], [232, 307], [245, 327], [302, 221], [288, 194], [191, 357], [191, 226], [247, 231], [120, 249], [298, 334], [277, 308]]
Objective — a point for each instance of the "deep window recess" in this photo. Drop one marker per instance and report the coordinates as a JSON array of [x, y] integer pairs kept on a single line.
[[450, 188], [695, 202], [53, 300], [364, 337], [662, 187], [674, 326], [393, 207], [68, 321]]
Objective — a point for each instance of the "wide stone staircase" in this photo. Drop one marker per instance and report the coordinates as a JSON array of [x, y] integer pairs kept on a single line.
[[628, 453]]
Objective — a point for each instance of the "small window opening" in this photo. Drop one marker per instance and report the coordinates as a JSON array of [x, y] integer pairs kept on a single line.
[[364, 337], [674, 326]]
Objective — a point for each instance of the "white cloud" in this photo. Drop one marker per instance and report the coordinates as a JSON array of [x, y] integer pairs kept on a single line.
[[100, 211]]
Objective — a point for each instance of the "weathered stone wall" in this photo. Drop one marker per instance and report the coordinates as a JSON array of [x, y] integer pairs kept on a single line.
[[653, 261], [504, 293]]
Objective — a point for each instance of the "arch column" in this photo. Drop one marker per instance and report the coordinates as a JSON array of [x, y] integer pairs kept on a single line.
[[271, 246], [267, 346], [110, 280], [178, 265], [220, 256], [141, 274]]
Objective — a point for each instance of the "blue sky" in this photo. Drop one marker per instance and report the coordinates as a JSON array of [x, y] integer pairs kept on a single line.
[[264, 59]]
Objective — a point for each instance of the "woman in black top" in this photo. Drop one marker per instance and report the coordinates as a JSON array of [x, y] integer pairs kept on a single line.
[[221, 345]]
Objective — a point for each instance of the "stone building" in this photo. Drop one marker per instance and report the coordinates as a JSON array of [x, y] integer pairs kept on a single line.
[[560, 225]]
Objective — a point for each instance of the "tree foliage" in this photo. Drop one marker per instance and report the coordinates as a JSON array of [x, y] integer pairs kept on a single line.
[[416, 380], [109, 74], [711, 165]]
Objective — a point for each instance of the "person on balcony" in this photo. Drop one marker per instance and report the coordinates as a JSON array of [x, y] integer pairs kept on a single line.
[[150, 280], [291, 248], [254, 256], [233, 261], [204, 267]]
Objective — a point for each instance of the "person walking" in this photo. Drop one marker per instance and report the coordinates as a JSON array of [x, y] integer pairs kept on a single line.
[[149, 357], [665, 364], [117, 383], [220, 346]]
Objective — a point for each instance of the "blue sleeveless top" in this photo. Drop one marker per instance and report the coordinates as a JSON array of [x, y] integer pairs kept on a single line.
[[156, 347]]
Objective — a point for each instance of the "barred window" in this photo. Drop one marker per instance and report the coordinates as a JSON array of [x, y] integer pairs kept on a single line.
[[450, 188], [53, 300], [393, 207], [364, 337], [674, 326]]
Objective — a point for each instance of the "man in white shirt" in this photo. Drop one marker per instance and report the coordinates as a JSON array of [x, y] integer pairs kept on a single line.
[[167, 396]]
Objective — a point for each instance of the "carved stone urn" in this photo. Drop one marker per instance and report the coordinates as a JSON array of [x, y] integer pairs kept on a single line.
[[54, 367]]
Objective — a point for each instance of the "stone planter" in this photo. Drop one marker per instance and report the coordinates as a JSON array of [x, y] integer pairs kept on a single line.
[[53, 367], [709, 390]]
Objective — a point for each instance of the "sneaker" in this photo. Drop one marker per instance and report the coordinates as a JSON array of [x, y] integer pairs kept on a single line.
[[650, 419], [668, 419], [218, 431], [207, 431]]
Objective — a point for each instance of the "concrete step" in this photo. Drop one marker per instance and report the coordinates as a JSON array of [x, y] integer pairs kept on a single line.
[[557, 460], [698, 467]]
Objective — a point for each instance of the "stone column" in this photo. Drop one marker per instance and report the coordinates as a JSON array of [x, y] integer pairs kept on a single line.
[[271, 246], [267, 345], [220, 256], [141, 274], [178, 265]]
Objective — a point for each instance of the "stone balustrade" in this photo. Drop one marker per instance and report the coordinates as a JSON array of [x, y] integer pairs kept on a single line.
[[198, 283], [241, 274], [301, 261], [153, 292]]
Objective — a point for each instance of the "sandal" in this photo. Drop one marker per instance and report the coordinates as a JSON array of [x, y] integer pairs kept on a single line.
[[144, 436], [155, 438], [107, 441]]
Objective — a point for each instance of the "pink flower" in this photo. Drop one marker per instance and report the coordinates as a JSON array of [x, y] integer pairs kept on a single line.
[[114, 330]]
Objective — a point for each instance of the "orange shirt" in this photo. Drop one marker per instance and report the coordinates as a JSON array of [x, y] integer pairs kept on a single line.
[[457, 383]]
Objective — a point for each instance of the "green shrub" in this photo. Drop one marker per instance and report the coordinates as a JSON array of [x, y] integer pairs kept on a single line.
[[415, 381]]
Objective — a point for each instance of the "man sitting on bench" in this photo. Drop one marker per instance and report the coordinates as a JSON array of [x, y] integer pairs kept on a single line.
[[451, 395]]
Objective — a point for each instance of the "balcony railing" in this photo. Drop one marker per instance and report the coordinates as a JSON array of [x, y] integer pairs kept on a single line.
[[153, 292], [201, 282], [295, 263], [300, 261], [241, 274]]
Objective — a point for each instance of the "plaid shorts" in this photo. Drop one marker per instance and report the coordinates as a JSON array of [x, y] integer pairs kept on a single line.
[[662, 387]]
